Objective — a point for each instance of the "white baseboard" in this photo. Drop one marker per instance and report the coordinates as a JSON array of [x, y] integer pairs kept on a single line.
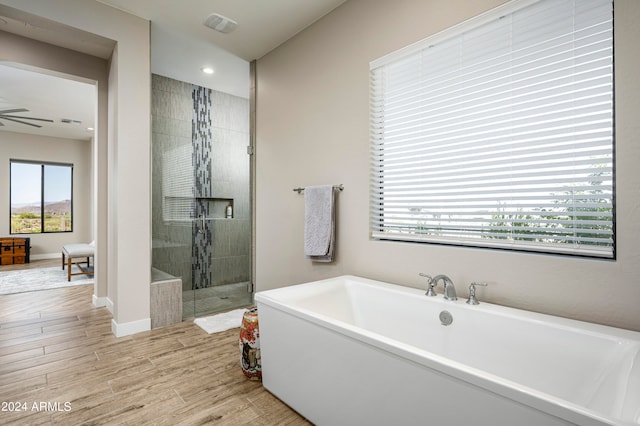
[[100, 302], [45, 256], [131, 327], [109, 306]]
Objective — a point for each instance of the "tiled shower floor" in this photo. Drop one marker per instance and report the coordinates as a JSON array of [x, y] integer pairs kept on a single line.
[[207, 301]]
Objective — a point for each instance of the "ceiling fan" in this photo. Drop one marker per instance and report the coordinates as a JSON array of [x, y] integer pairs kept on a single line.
[[7, 114]]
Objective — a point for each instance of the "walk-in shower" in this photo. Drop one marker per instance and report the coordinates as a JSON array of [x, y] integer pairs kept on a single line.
[[201, 194]]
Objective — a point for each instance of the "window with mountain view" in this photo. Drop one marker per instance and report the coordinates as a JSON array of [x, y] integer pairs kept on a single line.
[[41, 200], [499, 132]]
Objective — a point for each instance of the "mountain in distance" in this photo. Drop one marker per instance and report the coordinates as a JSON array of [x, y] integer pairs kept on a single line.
[[50, 207]]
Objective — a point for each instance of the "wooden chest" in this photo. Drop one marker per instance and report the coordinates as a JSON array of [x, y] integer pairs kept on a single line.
[[14, 251]]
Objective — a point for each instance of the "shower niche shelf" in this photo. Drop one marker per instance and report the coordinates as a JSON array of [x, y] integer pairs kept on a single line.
[[219, 207]]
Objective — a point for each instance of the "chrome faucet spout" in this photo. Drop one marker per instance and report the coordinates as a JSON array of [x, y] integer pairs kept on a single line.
[[449, 288]]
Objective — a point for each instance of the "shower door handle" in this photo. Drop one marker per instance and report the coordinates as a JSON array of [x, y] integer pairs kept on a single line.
[[202, 224]]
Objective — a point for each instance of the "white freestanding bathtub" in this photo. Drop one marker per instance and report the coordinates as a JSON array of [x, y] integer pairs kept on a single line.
[[352, 351]]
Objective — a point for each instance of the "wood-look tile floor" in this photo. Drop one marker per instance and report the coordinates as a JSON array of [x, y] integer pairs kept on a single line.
[[60, 364]]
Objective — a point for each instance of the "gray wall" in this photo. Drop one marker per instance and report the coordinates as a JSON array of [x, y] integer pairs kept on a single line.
[[313, 128]]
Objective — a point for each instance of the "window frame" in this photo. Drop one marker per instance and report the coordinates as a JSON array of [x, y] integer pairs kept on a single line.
[[43, 165], [377, 188]]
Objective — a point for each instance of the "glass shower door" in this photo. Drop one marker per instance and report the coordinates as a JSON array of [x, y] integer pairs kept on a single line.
[[201, 194], [221, 257]]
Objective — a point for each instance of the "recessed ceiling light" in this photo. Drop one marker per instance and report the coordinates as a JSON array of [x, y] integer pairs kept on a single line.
[[207, 70]]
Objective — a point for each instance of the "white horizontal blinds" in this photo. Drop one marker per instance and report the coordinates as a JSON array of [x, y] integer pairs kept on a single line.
[[501, 135]]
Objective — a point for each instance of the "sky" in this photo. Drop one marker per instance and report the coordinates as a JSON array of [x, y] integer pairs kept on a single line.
[[26, 183]]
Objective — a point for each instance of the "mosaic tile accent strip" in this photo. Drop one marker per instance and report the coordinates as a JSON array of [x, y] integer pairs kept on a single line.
[[202, 140], [201, 254]]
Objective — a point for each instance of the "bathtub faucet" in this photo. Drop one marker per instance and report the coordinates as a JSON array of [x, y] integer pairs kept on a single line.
[[431, 291], [449, 288]]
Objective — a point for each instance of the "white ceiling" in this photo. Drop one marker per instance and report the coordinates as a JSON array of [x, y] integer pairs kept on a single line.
[[262, 24], [180, 46], [50, 97]]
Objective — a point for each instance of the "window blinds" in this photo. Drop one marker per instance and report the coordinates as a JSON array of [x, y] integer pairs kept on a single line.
[[499, 132]]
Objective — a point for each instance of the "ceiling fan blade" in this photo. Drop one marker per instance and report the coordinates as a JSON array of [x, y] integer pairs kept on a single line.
[[3, 117], [9, 111], [25, 118]]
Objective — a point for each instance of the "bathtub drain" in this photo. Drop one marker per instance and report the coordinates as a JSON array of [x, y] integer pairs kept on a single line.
[[446, 318]]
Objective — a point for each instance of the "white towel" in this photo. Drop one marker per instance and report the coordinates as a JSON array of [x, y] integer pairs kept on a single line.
[[319, 223], [221, 322]]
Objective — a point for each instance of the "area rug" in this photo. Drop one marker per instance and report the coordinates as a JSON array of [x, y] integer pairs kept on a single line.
[[221, 322], [38, 279]]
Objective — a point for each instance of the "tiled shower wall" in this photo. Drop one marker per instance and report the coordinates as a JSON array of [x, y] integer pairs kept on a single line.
[[171, 146], [200, 165]]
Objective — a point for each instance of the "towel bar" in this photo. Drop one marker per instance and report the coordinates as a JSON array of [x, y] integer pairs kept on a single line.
[[300, 189]]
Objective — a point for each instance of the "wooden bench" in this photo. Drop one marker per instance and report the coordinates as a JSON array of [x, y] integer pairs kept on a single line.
[[77, 251]]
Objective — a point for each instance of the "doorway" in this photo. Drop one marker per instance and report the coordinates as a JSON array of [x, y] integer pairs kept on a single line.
[[48, 141]]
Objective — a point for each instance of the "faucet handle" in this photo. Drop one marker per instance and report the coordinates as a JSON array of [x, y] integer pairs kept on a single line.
[[472, 300], [431, 290]]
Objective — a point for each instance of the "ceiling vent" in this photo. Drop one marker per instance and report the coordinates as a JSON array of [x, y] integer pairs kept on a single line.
[[220, 23], [70, 121]]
